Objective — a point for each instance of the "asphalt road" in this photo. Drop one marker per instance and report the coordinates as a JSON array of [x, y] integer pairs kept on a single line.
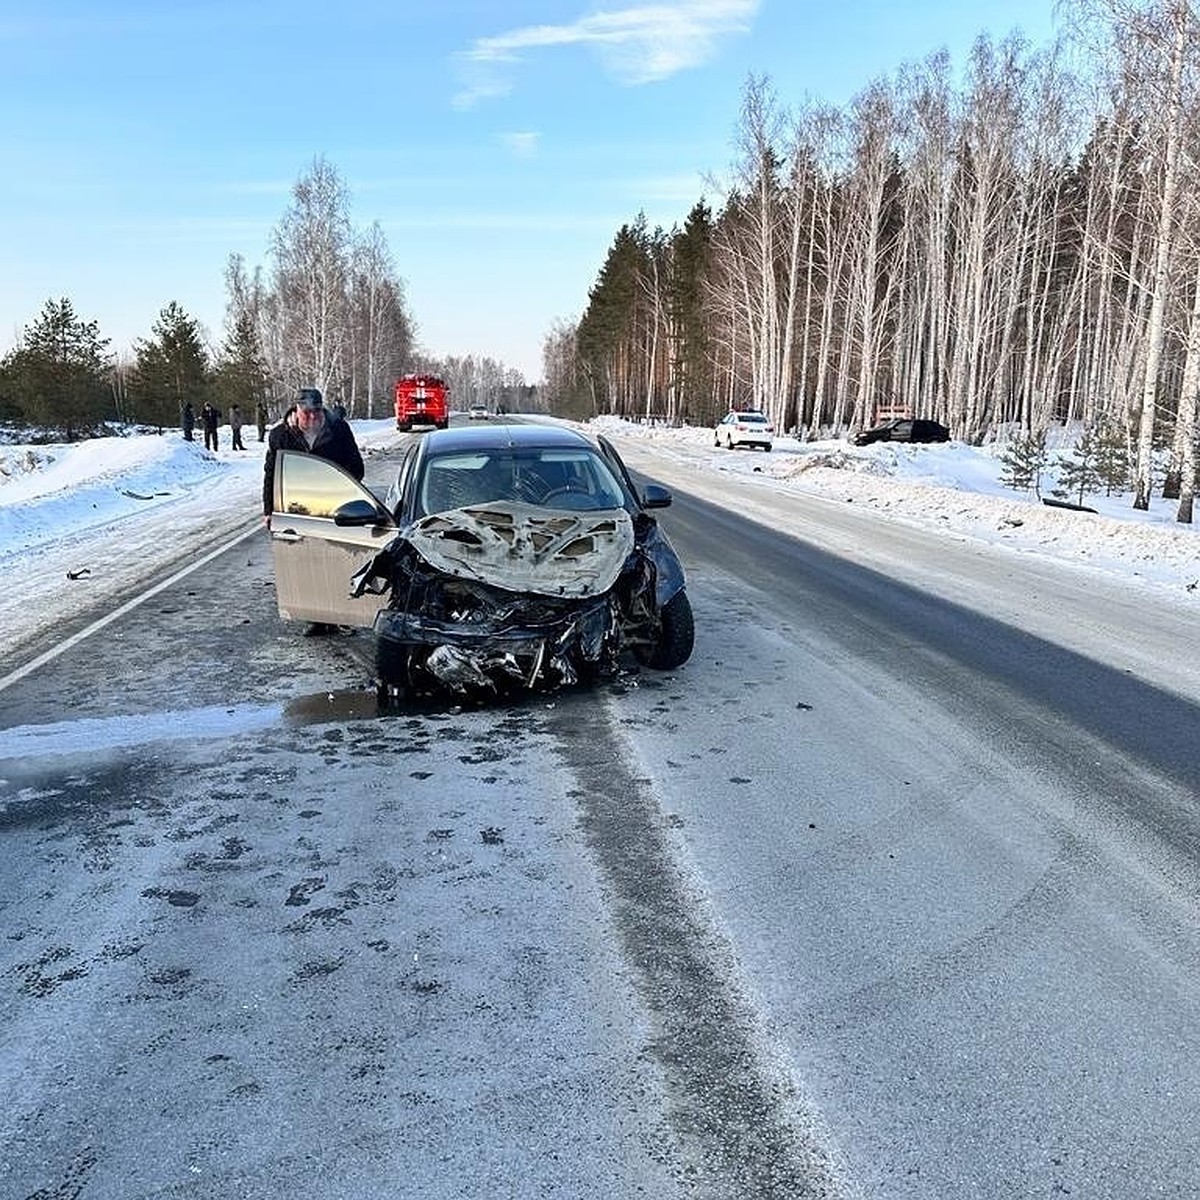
[[877, 896]]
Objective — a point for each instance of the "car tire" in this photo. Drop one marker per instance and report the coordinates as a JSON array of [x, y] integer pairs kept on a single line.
[[677, 636]]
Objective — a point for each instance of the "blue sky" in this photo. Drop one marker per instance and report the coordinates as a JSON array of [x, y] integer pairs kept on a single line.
[[499, 143]]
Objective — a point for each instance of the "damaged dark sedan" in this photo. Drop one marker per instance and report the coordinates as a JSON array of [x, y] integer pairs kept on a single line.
[[504, 558]]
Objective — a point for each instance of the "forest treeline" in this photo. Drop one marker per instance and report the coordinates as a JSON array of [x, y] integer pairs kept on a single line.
[[1003, 248], [328, 310]]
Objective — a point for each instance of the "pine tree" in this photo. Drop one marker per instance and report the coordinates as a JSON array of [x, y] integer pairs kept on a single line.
[[241, 376], [1113, 463], [1078, 474], [59, 376], [606, 336], [170, 369], [1023, 461], [691, 382]]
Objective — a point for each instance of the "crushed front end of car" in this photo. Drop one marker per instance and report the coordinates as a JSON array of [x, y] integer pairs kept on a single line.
[[508, 597]]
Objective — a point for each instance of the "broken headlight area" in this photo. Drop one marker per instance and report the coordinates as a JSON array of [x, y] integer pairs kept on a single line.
[[466, 636]]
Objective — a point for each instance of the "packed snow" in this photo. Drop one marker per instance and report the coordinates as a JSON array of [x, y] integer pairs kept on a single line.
[[92, 520]]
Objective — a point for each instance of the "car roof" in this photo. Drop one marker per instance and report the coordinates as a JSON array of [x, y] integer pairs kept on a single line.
[[467, 438]]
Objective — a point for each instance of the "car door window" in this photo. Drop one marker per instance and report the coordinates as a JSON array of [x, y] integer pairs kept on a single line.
[[314, 487], [400, 489]]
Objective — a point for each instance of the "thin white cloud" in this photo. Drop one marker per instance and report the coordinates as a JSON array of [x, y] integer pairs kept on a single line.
[[636, 45], [522, 145]]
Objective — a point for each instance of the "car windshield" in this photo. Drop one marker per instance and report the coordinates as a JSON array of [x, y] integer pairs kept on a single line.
[[752, 418], [553, 478]]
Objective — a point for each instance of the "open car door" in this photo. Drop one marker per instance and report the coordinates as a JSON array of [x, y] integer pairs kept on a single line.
[[325, 526]]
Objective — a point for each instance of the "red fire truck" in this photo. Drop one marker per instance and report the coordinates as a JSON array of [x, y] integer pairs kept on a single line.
[[422, 400]]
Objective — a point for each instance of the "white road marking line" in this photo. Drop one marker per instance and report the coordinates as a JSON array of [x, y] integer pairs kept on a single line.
[[51, 654]]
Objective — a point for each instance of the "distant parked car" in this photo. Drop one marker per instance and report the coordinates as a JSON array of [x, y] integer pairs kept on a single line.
[[746, 428], [477, 412], [904, 429]]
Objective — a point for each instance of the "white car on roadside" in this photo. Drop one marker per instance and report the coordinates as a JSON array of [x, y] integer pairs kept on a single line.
[[744, 428]]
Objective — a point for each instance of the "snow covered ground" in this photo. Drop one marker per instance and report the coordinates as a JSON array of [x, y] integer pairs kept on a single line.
[[90, 521]]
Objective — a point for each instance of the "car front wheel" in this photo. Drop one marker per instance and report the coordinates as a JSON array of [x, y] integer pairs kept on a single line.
[[677, 636]]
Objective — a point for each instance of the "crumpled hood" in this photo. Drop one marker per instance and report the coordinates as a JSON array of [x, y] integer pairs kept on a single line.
[[527, 548]]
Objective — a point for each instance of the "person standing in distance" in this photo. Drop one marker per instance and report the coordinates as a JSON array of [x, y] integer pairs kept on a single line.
[[235, 426], [210, 418], [310, 428]]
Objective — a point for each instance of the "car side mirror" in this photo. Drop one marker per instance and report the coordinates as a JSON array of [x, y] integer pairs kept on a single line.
[[358, 512], [654, 495]]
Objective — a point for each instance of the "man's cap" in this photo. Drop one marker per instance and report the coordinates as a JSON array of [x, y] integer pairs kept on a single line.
[[309, 398]]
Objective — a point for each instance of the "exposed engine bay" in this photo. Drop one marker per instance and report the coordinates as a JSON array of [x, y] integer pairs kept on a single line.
[[510, 596]]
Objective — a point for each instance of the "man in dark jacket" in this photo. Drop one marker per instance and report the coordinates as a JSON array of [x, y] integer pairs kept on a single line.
[[210, 418], [310, 428]]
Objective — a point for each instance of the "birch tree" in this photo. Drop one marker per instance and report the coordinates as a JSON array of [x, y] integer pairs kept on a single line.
[[754, 253], [927, 150], [380, 333], [1183, 450], [874, 132], [1151, 63], [311, 250]]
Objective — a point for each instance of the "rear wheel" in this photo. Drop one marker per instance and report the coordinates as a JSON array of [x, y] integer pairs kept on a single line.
[[677, 635]]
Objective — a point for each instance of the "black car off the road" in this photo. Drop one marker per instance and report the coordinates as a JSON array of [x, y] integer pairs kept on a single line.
[[904, 429], [503, 558]]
